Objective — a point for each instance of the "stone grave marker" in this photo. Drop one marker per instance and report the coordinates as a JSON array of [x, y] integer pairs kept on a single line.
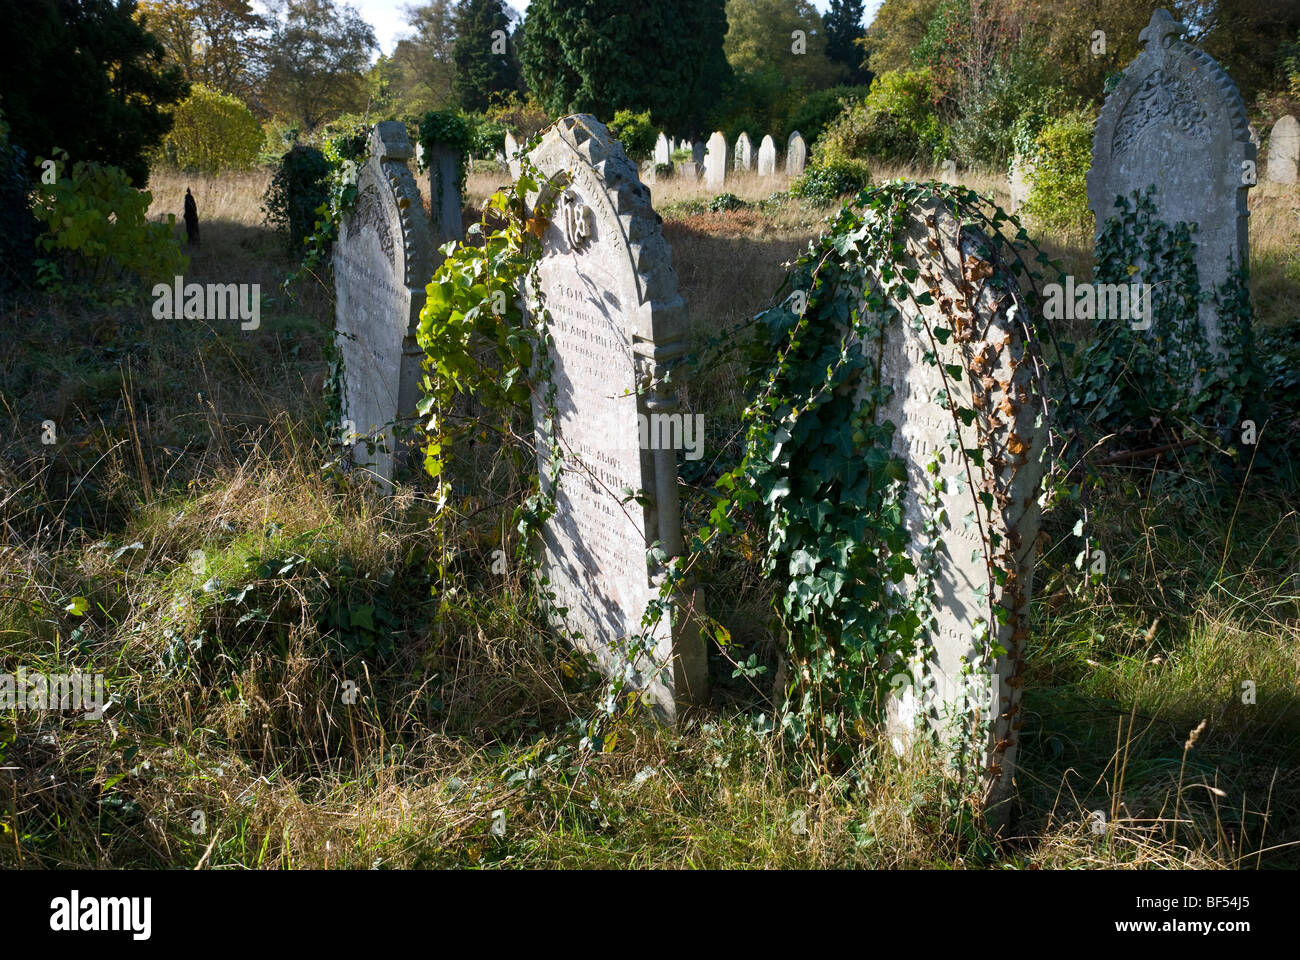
[[974, 296], [512, 148], [618, 323], [383, 259], [1176, 121], [744, 153], [444, 195], [1284, 151], [796, 155], [767, 157], [716, 161], [1018, 183], [663, 150], [699, 151]]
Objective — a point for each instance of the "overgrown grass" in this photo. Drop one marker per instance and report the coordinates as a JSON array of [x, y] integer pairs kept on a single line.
[[285, 695]]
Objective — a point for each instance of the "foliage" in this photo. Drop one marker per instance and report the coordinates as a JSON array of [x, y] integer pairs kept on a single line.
[[83, 76], [316, 58], [420, 75], [725, 202], [16, 249], [636, 133], [449, 131], [212, 132], [522, 115], [487, 63], [664, 57], [213, 42], [896, 121], [814, 112], [897, 29], [827, 180], [344, 155], [844, 30], [97, 227], [298, 189], [1058, 187]]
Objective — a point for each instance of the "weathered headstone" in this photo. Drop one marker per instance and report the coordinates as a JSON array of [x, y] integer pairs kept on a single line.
[[383, 259], [716, 161], [687, 170], [1018, 182], [444, 195], [796, 155], [1284, 151], [1176, 121], [663, 152], [744, 153], [958, 538], [699, 151], [618, 323], [767, 157], [512, 148]]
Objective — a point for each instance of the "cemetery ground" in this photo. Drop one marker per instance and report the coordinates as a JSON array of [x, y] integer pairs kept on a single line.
[[189, 536]]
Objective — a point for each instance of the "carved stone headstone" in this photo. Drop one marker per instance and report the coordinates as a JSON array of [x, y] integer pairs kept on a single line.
[[767, 157], [744, 153], [663, 151], [444, 195], [383, 260], [1176, 121], [716, 161], [618, 324], [1284, 151], [512, 148], [957, 538], [796, 155]]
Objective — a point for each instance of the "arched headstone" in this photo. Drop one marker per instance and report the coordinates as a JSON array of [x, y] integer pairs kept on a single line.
[[1176, 121], [767, 157], [716, 161], [1284, 151], [744, 153], [618, 325], [383, 260], [663, 152], [796, 155]]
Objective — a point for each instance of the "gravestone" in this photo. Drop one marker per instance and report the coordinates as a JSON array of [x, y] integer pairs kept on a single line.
[[383, 259], [699, 151], [512, 148], [1284, 151], [663, 151], [956, 538], [687, 170], [716, 161], [767, 157], [1018, 182], [1176, 121], [444, 195], [744, 153], [618, 325], [796, 155]]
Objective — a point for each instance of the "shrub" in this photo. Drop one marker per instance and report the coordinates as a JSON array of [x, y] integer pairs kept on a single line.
[[97, 228], [298, 189], [896, 121], [16, 250], [524, 116], [636, 133], [815, 112], [726, 201], [826, 180], [212, 132], [1058, 190]]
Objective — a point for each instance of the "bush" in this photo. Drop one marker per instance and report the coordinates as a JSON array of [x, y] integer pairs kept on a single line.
[[1058, 190], [212, 132], [726, 201], [815, 112], [825, 181], [96, 225], [524, 116], [16, 250], [636, 133], [896, 121], [298, 189]]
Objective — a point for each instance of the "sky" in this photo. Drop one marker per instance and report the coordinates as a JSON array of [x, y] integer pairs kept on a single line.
[[389, 23]]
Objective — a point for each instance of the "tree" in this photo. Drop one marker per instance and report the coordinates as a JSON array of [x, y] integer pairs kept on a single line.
[[761, 38], [843, 23], [899, 26], [602, 56], [422, 69], [214, 42], [487, 64], [86, 77], [317, 57]]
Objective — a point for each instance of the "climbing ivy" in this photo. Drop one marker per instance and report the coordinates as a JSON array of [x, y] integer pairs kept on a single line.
[[447, 130], [344, 155]]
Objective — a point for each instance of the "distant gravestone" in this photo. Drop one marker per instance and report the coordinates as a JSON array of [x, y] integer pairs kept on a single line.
[[1284, 151], [1176, 121], [1018, 182], [383, 259], [699, 151], [512, 148], [744, 153], [985, 515], [618, 324], [663, 150], [716, 161], [767, 157], [796, 155], [687, 170], [444, 195]]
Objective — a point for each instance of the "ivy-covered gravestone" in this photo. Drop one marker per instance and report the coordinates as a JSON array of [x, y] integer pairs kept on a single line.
[[1172, 147], [898, 443], [382, 260], [617, 329]]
